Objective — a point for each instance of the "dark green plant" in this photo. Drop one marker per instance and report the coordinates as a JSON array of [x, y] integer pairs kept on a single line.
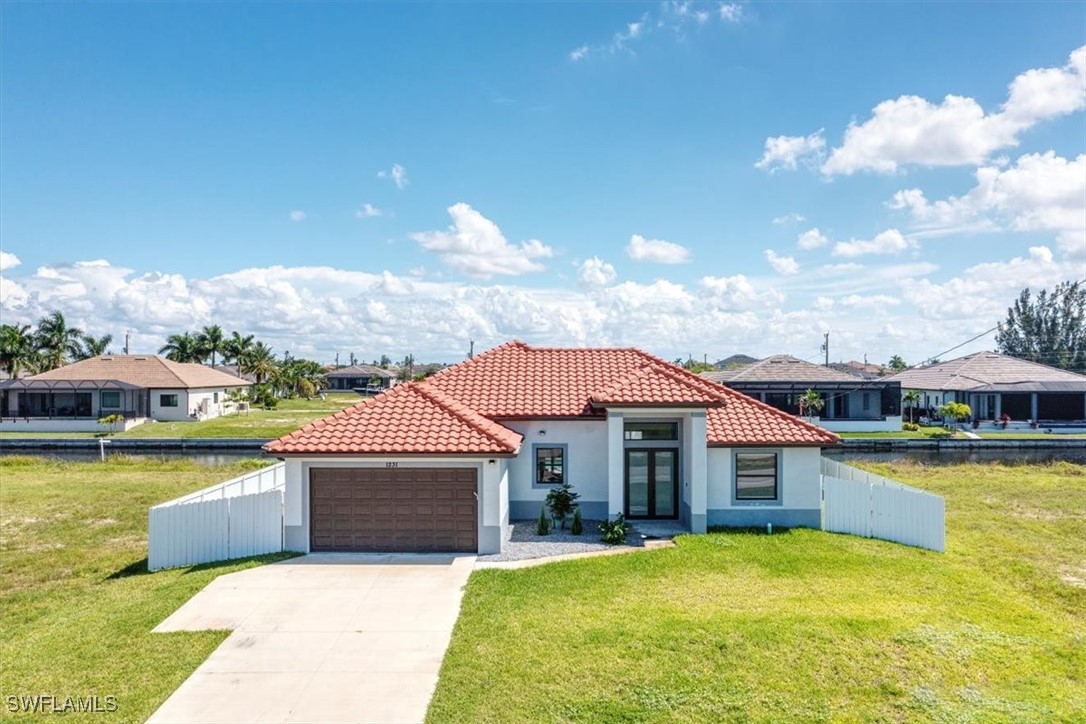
[[561, 500], [543, 527], [910, 427], [613, 532], [577, 527]]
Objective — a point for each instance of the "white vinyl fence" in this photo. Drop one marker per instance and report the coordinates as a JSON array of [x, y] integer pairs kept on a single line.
[[862, 503], [238, 518]]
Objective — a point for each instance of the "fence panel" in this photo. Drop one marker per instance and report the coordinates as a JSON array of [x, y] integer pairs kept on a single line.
[[182, 535], [256, 524], [864, 504], [237, 518]]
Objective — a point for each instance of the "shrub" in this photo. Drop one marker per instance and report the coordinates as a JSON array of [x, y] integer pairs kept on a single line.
[[910, 427], [577, 527], [543, 527], [560, 501], [613, 532]]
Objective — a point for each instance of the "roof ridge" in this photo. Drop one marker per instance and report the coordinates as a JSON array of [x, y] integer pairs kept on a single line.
[[450, 404], [677, 373], [168, 364], [512, 344]]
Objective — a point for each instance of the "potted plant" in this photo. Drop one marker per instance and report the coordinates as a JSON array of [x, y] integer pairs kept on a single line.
[[561, 501]]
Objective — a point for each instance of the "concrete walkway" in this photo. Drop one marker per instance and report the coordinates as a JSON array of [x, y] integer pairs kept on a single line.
[[323, 638]]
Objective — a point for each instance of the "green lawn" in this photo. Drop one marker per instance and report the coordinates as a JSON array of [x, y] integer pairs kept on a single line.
[[260, 424], [925, 432], [76, 603], [996, 435], [799, 626]]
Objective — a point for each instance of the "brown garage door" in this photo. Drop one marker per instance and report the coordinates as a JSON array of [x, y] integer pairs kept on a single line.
[[392, 509]]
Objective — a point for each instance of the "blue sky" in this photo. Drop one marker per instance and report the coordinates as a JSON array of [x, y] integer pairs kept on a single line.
[[394, 178]]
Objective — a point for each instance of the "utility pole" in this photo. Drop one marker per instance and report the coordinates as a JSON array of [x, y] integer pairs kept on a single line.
[[471, 351], [127, 332], [337, 359], [826, 347]]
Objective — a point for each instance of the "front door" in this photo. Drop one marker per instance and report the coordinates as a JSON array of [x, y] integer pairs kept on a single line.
[[652, 483]]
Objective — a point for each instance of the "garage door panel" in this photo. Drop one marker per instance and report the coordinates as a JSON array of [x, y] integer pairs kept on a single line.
[[393, 509]]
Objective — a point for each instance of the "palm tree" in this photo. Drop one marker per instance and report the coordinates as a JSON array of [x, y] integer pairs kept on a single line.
[[912, 399], [235, 348], [210, 341], [95, 346], [181, 348], [811, 400], [56, 341], [17, 351], [897, 364], [259, 362]]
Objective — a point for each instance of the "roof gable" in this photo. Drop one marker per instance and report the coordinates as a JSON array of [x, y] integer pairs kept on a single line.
[[409, 418], [656, 385]]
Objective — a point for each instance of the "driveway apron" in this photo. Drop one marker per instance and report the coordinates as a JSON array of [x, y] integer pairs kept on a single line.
[[330, 637]]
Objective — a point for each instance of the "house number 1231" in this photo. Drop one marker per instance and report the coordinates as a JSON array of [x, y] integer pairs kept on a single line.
[[392, 465]]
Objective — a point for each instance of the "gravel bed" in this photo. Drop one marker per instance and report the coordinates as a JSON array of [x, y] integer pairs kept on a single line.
[[521, 542]]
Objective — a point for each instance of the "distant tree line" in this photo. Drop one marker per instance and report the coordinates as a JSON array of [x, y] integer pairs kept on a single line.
[[1049, 328]]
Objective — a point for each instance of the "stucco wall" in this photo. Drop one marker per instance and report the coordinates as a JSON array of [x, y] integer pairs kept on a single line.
[[586, 465], [800, 484], [489, 481], [187, 402]]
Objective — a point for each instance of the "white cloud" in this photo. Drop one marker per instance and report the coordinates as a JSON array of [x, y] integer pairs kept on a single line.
[[398, 175], [595, 273], [1040, 192], [656, 250], [910, 130], [668, 16], [8, 261], [869, 301], [731, 12], [812, 239], [737, 292], [789, 218], [297, 216], [368, 211], [474, 245], [890, 241], [982, 293], [782, 264], [789, 151]]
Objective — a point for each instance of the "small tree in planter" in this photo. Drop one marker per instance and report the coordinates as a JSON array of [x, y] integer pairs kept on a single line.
[[543, 527], [113, 421], [956, 411], [562, 501], [576, 527]]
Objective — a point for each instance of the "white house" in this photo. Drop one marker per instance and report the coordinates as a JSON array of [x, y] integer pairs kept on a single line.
[[72, 398], [446, 463]]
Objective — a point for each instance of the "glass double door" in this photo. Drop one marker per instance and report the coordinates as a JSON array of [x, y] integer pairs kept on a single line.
[[652, 483]]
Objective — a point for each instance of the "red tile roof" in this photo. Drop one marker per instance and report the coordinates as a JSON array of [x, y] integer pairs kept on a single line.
[[410, 418], [455, 411]]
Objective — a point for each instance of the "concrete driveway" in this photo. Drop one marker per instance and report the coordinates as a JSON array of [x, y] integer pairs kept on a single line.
[[331, 637]]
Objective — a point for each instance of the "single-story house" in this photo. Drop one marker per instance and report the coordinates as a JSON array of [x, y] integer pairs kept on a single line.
[[74, 397], [445, 463], [852, 404], [360, 377], [994, 384]]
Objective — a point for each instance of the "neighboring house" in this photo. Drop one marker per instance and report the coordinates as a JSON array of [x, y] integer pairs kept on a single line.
[[235, 371], [447, 462], [735, 361], [865, 370], [360, 377], [993, 384], [140, 387], [852, 404]]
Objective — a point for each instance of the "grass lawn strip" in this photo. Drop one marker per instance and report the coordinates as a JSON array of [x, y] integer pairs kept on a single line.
[[799, 626], [76, 603]]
